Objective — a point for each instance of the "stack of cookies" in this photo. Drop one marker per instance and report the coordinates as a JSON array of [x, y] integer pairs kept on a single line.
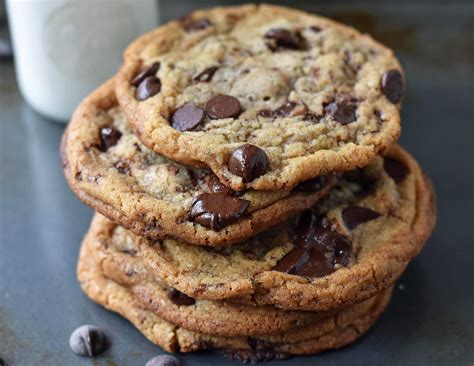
[[249, 191]]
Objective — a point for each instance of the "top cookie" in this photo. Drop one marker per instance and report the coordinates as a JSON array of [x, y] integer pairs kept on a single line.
[[263, 95]]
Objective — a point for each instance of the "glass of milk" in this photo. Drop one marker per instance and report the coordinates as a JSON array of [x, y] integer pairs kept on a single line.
[[64, 49]]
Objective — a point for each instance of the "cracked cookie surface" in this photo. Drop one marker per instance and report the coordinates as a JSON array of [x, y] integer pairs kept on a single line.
[[108, 167], [378, 217], [314, 95]]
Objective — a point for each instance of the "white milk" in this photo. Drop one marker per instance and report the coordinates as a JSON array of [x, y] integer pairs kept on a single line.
[[64, 49]]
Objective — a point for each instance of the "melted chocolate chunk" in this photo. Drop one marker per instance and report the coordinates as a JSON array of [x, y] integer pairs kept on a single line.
[[249, 162], [88, 340], [343, 111], [223, 106], [353, 216], [293, 261], [280, 38], [217, 210], [206, 75], [148, 71], [164, 360], [149, 87], [187, 117], [312, 185], [194, 25], [109, 137], [391, 83], [178, 298], [215, 186], [318, 249], [395, 169]]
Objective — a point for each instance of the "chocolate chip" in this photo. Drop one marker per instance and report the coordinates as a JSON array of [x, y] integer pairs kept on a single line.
[[187, 117], [217, 210], [148, 71], [249, 162], [164, 360], [395, 169], [343, 111], [294, 261], [109, 137], [206, 75], [353, 216], [191, 25], [311, 185], [216, 186], [392, 85], [179, 298], [315, 28], [281, 38], [88, 340], [223, 106], [318, 249], [148, 88]]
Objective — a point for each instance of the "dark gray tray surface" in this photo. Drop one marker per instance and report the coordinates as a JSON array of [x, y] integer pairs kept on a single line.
[[430, 320]]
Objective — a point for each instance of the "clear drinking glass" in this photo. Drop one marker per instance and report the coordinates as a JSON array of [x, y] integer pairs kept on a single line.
[[64, 49]]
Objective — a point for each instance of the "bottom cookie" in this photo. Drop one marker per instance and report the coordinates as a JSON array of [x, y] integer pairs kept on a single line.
[[174, 338]]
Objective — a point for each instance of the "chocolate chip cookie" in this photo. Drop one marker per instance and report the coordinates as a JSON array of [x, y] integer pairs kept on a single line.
[[351, 245], [343, 328], [108, 167], [265, 96]]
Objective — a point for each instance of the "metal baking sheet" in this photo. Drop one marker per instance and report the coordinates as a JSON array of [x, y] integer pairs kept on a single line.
[[430, 320]]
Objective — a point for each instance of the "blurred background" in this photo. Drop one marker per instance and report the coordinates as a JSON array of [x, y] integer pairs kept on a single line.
[[430, 320]]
